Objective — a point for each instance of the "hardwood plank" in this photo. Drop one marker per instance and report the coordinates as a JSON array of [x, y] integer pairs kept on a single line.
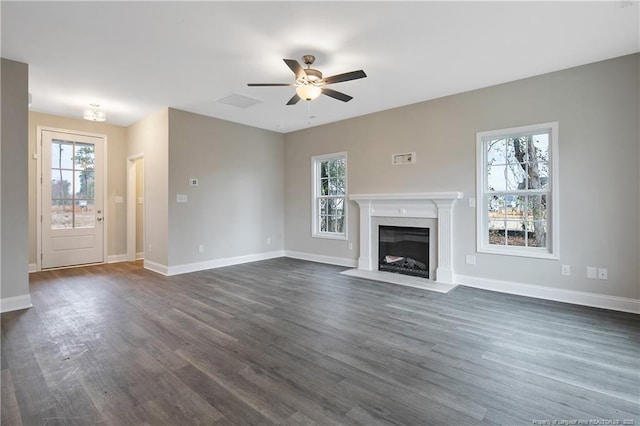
[[286, 341]]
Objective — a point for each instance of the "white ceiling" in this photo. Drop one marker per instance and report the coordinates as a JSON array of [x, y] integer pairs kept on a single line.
[[136, 58]]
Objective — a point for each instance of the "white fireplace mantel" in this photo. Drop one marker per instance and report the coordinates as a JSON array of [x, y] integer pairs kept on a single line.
[[430, 205]]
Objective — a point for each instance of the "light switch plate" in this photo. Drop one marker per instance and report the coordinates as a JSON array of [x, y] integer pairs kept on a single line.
[[592, 272], [119, 199]]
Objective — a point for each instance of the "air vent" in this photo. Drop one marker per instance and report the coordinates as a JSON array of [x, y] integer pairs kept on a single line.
[[238, 100], [404, 158]]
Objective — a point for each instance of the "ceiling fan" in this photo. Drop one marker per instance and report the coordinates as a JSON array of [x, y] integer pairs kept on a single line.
[[310, 84]]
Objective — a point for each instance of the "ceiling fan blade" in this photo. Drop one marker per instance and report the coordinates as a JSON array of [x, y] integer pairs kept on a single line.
[[295, 67], [294, 100], [336, 95], [338, 78], [270, 84]]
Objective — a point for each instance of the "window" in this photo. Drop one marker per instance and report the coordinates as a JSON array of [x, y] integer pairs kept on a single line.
[[329, 196], [517, 191]]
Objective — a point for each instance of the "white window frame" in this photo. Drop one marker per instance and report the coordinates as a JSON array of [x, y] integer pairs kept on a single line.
[[552, 250], [315, 191]]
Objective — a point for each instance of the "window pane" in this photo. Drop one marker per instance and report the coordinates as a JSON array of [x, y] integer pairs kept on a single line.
[[496, 232], [516, 176], [515, 207], [539, 175], [537, 207], [61, 184], [331, 223], [339, 206], [541, 147], [323, 224], [538, 236], [324, 186], [61, 214], [85, 156], [61, 154], [323, 169], [515, 234], [496, 152], [340, 224], [85, 214], [496, 178], [517, 150], [84, 183], [497, 207]]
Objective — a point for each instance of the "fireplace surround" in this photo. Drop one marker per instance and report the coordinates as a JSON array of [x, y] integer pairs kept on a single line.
[[425, 209]]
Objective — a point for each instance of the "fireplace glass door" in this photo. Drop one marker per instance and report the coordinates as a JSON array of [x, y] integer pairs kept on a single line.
[[404, 250]]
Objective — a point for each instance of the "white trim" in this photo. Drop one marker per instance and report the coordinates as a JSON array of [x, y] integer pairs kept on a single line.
[[219, 263], [603, 301], [156, 267], [315, 232], [331, 260], [105, 204], [33, 267], [140, 256], [115, 258], [15, 303], [553, 231]]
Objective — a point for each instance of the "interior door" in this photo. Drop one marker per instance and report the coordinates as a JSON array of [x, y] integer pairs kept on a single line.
[[72, 199]]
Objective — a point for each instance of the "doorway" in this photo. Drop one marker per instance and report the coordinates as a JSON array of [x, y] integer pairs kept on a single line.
[[72, 198], [135, 208]]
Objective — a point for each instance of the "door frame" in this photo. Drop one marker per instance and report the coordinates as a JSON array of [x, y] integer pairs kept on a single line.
[[39, 177], [132, 205]]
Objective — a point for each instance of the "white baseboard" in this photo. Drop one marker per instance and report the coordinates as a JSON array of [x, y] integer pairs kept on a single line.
[[33, 267], [115, 258], [156, 267], [595, 300], [331, 260], [16, 303], [219, 263]]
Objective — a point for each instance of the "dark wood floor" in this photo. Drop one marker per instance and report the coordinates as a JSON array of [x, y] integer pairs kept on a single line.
[[292, 342]]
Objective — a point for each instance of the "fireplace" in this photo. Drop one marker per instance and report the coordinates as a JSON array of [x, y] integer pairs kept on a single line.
[[404, 250]]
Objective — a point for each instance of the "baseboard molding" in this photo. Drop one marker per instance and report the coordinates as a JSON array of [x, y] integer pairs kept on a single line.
[[156, 267], [331, 260], [595, 300], [115, 258], [219, 263], [16, 303], [33, 267]]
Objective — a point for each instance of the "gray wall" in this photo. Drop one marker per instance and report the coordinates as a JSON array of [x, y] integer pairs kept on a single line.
[[150, 136], [239, 202], [597, 109], [14, 204]]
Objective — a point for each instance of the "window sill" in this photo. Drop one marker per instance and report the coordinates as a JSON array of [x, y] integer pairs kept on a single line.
[[328, 236], [520, 252]]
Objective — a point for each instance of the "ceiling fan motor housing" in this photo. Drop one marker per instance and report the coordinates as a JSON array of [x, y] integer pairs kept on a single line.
[[313, 75]]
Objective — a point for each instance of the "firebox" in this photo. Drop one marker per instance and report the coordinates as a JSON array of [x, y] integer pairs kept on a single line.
[[404, 250]]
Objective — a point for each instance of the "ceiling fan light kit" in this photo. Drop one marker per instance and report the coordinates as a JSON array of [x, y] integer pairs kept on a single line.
[[94, 113], [310, 84]]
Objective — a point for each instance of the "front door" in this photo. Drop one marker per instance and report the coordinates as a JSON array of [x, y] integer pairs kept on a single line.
[[72, 199]]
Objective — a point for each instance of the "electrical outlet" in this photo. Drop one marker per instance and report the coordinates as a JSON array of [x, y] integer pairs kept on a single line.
[[472, 202], [566, 270], [350, 246], [592, 272], [201, 248], [150, 251], [603, 274], [181, 198], [470, 259]]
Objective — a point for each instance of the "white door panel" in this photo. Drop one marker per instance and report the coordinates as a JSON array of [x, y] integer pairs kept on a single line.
[[72, 199]]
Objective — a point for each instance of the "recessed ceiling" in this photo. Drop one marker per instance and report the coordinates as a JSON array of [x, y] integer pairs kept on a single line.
[[134, 58]]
